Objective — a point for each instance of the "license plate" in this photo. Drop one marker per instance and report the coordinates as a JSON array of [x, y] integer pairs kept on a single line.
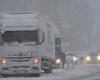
[[20, 71]]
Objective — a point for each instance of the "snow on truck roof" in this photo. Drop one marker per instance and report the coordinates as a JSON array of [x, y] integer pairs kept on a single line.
[[19, 19], [24, 19], [15, 16]]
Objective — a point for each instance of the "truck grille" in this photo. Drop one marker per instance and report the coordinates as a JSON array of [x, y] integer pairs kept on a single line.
[[20, 60]]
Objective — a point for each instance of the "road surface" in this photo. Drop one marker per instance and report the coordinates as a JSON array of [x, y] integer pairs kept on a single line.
[[83, 72], [95, 76]]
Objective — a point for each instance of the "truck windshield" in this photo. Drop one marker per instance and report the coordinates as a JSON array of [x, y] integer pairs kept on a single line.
[[20, 36]]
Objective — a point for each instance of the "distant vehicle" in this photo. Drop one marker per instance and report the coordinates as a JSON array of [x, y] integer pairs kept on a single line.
[[27, 43], [59, 60], [71, 58], [92, 58]]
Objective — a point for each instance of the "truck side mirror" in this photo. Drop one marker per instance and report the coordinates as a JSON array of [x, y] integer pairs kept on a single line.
[[41, 37]]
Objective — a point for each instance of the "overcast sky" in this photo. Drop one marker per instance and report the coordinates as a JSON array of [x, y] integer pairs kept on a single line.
[[78, 20]]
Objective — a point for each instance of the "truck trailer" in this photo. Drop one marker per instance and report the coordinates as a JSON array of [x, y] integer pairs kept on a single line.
[[27, 43]]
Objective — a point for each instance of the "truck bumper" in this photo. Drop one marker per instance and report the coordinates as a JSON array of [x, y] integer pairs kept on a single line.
[[20, 69]]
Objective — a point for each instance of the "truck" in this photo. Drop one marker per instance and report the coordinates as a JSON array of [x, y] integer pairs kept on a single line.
[[27, 44]]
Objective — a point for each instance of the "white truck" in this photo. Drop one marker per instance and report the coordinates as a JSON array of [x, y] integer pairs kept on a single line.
[[27, 44]]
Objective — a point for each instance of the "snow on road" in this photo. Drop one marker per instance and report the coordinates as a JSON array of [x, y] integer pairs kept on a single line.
[[62, 74], [95, 76], [93, 70]]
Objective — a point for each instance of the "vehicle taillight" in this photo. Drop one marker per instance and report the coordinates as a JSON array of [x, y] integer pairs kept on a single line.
[[36, 61]]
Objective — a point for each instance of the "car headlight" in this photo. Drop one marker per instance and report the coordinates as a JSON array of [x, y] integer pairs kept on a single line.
[[98, 58], [88, 58], [75, 58], [58, 61]]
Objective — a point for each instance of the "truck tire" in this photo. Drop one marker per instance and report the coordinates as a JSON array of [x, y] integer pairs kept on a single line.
[[37, 74], [32, 75], [48, 70]]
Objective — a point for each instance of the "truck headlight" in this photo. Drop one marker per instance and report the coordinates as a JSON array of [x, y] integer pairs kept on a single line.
[[3, 61], [88, 58], [98, 58], [36, 61]]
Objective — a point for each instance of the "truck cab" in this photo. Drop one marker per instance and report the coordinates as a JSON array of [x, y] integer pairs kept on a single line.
[[27, 44]]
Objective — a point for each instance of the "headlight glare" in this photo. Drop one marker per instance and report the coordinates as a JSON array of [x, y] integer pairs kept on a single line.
[[88, 58], [58, 61], [75, 58], [98, 58]]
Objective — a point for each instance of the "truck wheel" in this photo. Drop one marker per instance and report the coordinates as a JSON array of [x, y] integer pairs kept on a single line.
[[48, 70], [37, 74]]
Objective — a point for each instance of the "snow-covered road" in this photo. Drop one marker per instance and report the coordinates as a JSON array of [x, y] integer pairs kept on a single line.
[[78, 72], [95, 76]]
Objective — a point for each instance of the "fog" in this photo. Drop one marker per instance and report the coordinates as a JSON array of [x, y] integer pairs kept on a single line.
[[78, 20]]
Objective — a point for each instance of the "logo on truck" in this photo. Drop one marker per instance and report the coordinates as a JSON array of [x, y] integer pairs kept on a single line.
[[20, 54]]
